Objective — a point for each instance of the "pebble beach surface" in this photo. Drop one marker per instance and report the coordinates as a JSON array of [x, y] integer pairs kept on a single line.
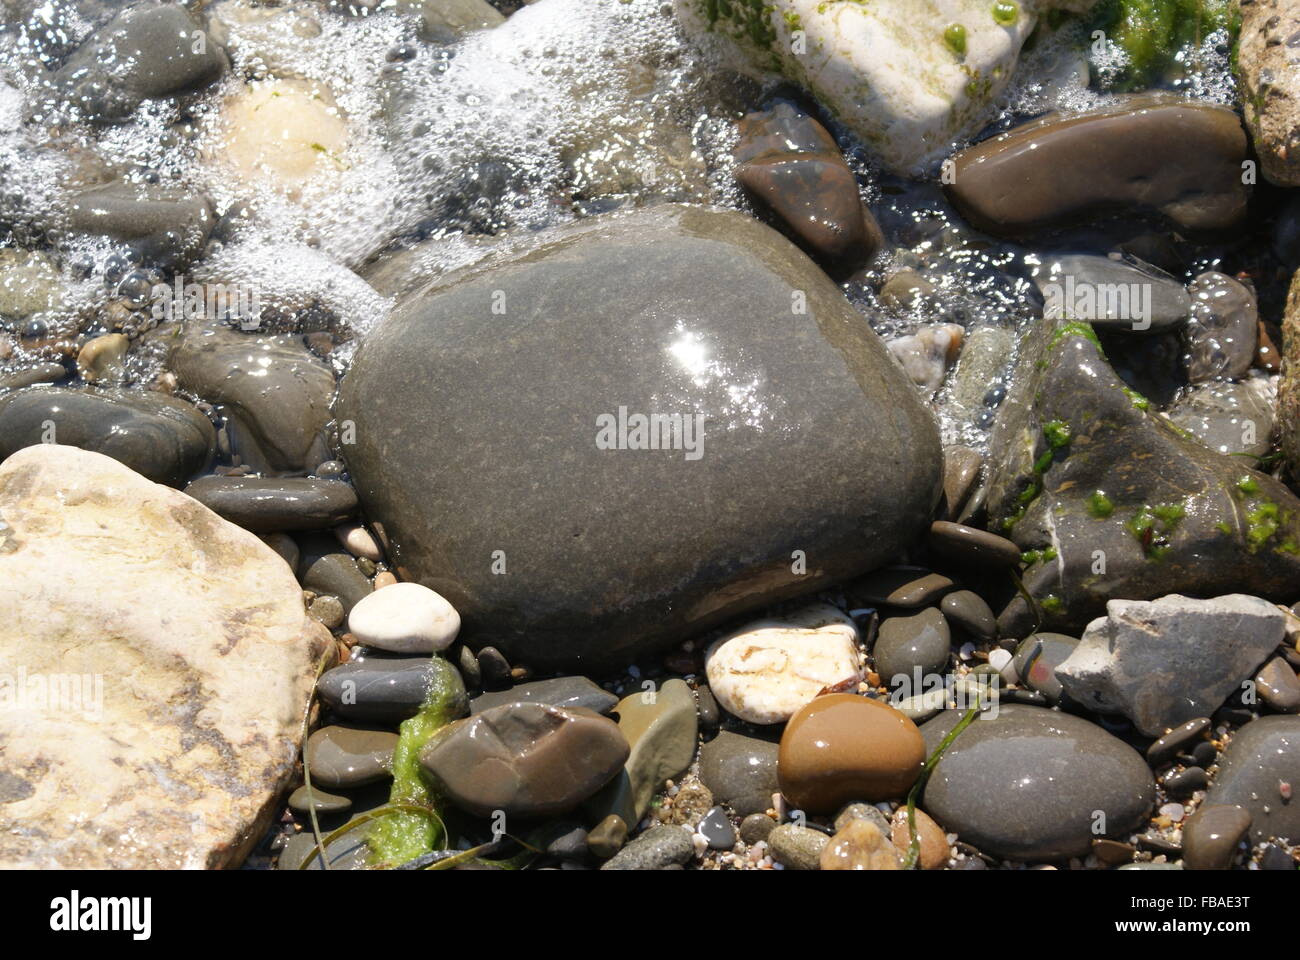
[[628, 435]]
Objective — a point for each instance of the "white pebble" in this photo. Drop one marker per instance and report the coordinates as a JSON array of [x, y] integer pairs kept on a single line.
[[357, 541], [765, 671], [1004, 663], [1174, 811], [405, 618]]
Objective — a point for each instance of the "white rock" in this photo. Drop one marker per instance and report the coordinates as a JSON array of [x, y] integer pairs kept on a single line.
[[928, 354], [404, 618], [1163, 662], [183, 659], [768, 669], [882, 67]]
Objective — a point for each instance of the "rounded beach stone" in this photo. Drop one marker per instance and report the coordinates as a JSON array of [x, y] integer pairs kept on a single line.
[[404, 618]]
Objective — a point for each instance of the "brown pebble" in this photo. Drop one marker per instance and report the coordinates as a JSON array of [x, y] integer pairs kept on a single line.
[[840, 748], [934, 842], [1267, 355], [384, 578], [860, 846]]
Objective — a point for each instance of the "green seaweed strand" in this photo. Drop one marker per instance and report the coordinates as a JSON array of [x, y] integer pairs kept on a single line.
[[405, 835], [914, 845]]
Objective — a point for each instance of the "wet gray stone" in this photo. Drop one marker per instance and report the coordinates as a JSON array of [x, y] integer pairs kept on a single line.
[[740, 771], [1177, 740], [920, 641], [698, 293], [165, 439], [1115, 293], [1229, 418], [1079, 463], [756, 827], [323, 566], [343, 757], [273, 385], [143, 52], [1278, 686], [1223, 331], [796, 847], [968, 610], [1262, 756], [380, 688], [1025, 785], [164, 226], [555, 692], [1211, 835], [268, 504], [303, 800], [656, 849], [717, 829], [906, 587]]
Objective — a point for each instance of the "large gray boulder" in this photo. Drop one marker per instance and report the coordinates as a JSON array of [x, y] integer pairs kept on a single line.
[[480, 417], [1117, 501]]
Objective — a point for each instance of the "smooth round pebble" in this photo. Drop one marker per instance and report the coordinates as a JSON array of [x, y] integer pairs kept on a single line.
[[404, 618]]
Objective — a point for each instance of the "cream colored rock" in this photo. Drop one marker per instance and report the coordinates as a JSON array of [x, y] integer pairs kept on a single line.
[[280, 133], [356, 540], [102, 360], [883, 68], [767, 670], [177, 663], [405, 618], [860, 845]]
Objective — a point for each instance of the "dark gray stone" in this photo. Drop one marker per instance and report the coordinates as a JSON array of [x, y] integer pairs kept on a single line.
[[1211, 835], [704, 329], [1025, 785], [323, 566], [268, 504], [143, 52], [1223, 332], [275, 387], [165, 439], [716, 827], [1261, 757], [303, 800], [1117, 293], [342, 757], [1080, 464], [381, 688], [906, 587], [740, 771], [556, 692], [1176, 741], [968, 610], [907, 643], [165, 226]]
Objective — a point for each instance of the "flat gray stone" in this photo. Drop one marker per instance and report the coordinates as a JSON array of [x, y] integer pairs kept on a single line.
[[555, 692], [269, 504]]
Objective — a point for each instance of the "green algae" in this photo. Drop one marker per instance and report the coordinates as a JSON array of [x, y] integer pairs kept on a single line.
[[402, 836], [1006, 12], [1052, 604], [1135, 398], [1248, 485], [1150, 33], [1153, 525], [1057, 434], [954, 35], [1074, 328], [1100, 506]]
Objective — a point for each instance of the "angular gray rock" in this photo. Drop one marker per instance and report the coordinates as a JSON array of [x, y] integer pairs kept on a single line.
[[1118, 502], [494, 396], [1164, 662]]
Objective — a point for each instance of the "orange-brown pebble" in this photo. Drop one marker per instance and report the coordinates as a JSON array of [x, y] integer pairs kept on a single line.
[[1267, 355], [860, 846], [934, 843], [384, 579], [840, 748]]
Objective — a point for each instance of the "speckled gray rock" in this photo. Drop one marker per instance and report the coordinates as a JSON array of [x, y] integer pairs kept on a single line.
[[796, 847], [556, 692], [268, 504], [276, 388], [1263, 755], [163, 438], [704, 331], [1026, 784], [907, 643], [740, 771], [657, 848], [1164, 662]]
